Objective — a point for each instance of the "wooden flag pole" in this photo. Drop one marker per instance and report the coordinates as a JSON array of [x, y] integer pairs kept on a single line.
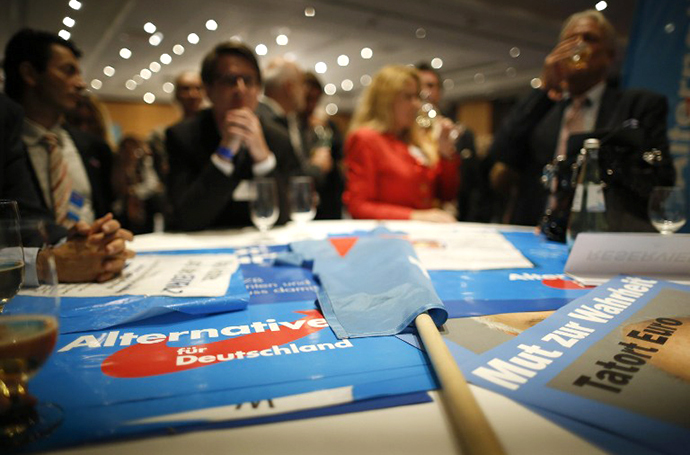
[[472, 430]]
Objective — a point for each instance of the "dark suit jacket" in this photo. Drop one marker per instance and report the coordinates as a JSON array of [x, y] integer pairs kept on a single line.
[[200, 195], [527, 142]]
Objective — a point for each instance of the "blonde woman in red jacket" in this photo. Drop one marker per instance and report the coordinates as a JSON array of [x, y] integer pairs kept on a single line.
[[393, 170]]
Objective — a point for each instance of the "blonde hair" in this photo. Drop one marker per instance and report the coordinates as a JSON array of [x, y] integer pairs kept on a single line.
[[375, 108], [609, 33]]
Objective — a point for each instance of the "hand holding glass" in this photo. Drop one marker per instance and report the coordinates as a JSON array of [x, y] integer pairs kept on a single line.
[[667, 209]]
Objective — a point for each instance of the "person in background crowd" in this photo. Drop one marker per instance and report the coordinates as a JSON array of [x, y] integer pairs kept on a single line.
[[575, 97], [91, 116], [393, 170], [72, 168], [212, 152], [324, 143], [90, 253], [138, 190]]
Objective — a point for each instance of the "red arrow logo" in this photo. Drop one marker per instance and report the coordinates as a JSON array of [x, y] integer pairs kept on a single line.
[[142, 360]]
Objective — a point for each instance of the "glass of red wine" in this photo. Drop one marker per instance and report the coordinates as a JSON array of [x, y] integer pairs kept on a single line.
[[28, 333]]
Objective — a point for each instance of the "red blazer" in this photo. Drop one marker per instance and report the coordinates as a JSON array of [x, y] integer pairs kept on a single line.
[[385, 182]]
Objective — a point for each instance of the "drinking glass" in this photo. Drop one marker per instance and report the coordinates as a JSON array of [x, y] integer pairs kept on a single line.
[[302, 200], [28, 333], [667, 209], [11, 252], [263, 204]]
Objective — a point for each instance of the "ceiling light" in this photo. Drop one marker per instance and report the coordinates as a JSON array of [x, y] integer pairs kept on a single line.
[[420, 33], [193, 38], [75, 4], [281, 40], [448, 84], [347, 85], [125, 53], [64, 34], [511, 72], [166, 59], [155, 39], [436, 63], [96, 84], [365, 80], [261, 49], [178, 49], [321, 67], [168, 87], [149, 27], [535, 83], [145, 73], [149, 98], [69, 22], [331, 109], [479, 78], [109, 71], [330, 89], [130, 84], [343, 60], [514, 52], [367, 53], [309, 11], [155, 67], [601, 6], [211, 25]]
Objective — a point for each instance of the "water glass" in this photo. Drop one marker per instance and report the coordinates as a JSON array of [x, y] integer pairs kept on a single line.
[[263, 204], [302, 199], [667, 209]]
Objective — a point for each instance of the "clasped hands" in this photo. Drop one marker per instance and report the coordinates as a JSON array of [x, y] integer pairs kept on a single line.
[[242, 126]]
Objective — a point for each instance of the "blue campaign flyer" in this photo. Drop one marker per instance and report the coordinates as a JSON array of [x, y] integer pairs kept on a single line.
[[178, 362], [616, 359]]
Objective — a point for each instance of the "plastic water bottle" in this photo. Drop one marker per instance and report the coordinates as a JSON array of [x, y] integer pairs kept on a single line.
[[588, 211]]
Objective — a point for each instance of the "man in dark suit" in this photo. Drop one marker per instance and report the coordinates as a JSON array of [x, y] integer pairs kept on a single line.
[[574, 98], [215, 153], [43, 75]]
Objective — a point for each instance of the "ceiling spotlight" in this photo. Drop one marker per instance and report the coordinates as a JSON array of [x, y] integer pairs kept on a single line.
[[309, 11], [448, 84], [479, 78], [261, 49], [365, 80], [601, 6], [96, 84], [155, 39], [211, 25], [69, 22], [330, 89], [130, 84], [178, 49], [64, 34], [420, 33], [366, 53], [514, 52], [168, 87], [145, 73], [125, 53], [281, 40], [331, 109], [149, 27], [166, 59], [109, 71], [510, 71], [436, 63], [321, 67], [75, 4], [155, 67], [193, 38], [347, 85], [343, 60], [149, 98], [535, 83]]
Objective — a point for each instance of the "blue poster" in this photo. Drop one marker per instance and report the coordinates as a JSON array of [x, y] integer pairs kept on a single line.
[[615, 359]]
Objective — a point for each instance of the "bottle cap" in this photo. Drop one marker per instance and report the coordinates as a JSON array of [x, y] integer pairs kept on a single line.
[[592, 143]]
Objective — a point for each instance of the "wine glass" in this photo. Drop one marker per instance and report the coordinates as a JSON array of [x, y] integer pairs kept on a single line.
[[11, 252], [302, 200], [263, 204], [667, 209], [28, 333]]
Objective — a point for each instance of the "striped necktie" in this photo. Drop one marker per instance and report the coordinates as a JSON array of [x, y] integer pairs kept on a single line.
[[573, 122], [60, 181]]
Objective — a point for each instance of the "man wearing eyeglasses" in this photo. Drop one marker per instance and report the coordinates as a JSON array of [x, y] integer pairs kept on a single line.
[[216, 152]]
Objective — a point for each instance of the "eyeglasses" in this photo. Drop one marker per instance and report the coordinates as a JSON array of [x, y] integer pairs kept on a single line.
[[232, 80]]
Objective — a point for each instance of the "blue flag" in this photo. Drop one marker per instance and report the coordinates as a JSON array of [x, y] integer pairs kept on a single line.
[[370, 285]]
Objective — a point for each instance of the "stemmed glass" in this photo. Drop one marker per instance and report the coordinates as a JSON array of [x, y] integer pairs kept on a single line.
[[263, 204], [11, 252], [667, 209], [302, 200], [28, 333]]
